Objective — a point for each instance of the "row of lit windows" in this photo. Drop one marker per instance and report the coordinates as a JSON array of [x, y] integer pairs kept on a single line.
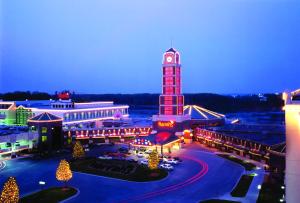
[[62, 106], [93, 114]]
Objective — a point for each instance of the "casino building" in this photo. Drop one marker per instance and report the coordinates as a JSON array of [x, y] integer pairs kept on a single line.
[[173, 125], [88, 114]]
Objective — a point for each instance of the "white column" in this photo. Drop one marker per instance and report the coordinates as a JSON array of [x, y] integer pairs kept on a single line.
[[292, 176]]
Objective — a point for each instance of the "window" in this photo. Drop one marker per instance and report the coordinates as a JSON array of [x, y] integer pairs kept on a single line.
[[44, 138], [44, 130]]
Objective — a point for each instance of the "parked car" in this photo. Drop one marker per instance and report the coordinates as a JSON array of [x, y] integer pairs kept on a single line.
[[144, 162], [178, 159], [104, 157], [148, 151], [171, 161], [169, 167], [123, 150], [131, 159], [140, 154]]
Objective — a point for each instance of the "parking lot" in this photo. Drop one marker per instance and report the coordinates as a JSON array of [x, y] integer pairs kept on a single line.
[[122, 151], [200, 175]]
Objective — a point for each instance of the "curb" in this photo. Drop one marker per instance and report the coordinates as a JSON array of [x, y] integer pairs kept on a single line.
[[99, 176]]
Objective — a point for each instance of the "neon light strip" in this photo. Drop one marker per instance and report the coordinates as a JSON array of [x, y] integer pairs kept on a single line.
[[78, 110], [46, 121], [88, 120], [221, 115], [190, 110], [210, 112], [201, 113], [85, 103], [2, 102]]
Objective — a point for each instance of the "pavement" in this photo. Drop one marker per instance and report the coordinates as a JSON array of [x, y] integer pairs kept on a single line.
[[202, 175]]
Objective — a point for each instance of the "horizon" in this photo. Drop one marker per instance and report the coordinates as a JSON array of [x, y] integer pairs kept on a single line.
[[84, 93]]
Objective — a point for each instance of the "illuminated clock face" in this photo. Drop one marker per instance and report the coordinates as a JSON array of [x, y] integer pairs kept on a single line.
[[169, 59]]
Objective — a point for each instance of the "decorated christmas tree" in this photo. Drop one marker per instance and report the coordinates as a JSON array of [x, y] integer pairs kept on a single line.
[[78, 151], [153, 160], [63, 172], [10, 192]]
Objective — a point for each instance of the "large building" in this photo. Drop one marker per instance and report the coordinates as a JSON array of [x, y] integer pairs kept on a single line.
[[171, 101], [15, 139], [72, 113], [292, 120]]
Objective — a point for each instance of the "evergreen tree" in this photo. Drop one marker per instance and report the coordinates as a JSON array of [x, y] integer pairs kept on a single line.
[[78, 151], [10, 192], [153, 160], [63, 172]]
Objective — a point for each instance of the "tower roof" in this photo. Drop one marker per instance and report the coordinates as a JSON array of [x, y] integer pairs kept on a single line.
[[45, 117], [171, 50], [199, 113]]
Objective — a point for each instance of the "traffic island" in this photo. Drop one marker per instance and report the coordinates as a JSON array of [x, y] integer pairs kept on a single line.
[[247, 165], [121, 169], [242, 187], [50, 195]]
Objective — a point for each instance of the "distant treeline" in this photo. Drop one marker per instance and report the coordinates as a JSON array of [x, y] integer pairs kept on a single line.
[[21, 96], [216, 102]]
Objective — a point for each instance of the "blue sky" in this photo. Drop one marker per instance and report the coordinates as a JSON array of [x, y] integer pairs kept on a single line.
[[116, 46]]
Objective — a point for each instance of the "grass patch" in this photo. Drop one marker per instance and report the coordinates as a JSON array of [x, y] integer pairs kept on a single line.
[[120, 169], [50, 195], [248, 166], [218, 201], [242, 187], [270, 192]]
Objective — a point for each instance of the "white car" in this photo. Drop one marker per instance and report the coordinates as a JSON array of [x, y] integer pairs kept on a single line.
[[148, 151], [144, 162], [171, 161], [105, 157], [167, 166], [140, 154]]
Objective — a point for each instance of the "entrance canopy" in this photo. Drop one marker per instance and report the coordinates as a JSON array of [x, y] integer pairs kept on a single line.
[[160, 138]]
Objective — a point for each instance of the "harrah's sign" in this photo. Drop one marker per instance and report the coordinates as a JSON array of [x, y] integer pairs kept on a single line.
[[166, 124]]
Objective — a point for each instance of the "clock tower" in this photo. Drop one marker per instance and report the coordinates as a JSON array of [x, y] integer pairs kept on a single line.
[[171, 100]]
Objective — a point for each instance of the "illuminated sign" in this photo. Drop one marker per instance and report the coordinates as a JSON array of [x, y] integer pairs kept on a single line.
[[166, 124]]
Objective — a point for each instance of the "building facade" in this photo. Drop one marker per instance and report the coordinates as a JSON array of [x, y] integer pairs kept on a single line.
[[292, 121], [71, 112], [7, 113]]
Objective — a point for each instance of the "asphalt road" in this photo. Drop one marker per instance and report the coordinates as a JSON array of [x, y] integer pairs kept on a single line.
[[201, 175]]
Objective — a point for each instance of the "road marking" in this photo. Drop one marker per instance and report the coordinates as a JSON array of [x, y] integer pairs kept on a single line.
[[177, 186], [2, 165]]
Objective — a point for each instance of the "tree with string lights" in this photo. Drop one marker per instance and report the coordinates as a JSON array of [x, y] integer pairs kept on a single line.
[[153, 160], [63, 172], [78, 151], [10, 192]]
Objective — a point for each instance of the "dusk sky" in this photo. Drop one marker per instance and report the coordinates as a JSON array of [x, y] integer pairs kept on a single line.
[[94, 46]]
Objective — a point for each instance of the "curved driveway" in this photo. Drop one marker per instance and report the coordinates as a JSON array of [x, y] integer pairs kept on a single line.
[[200, 176]]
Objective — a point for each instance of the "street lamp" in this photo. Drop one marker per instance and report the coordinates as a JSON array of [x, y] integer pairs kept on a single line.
[[42, 183]]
